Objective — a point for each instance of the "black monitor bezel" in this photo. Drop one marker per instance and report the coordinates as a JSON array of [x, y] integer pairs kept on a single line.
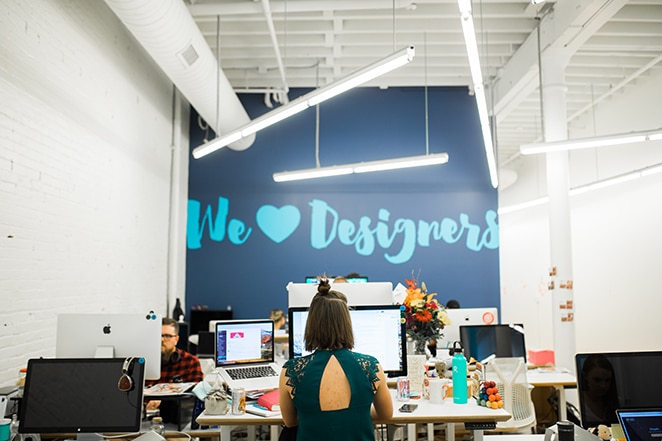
[[403, 334], [81, 394], [632, 368], [206, 316], [464, 338]]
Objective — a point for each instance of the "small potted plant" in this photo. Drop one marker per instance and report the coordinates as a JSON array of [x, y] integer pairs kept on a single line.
[[216, 401]]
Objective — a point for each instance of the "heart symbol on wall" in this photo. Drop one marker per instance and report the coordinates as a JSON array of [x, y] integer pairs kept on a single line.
[[278, 223]]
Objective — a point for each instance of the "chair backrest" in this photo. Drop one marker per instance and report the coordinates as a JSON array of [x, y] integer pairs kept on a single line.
[[510, 377]]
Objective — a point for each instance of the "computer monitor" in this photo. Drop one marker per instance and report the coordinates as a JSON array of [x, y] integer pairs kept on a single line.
[[464, 317], [609, 381], [199, 319], [486, 342], [82, 395], [369, 293], [358, 279], [82, 335], [378, 331]]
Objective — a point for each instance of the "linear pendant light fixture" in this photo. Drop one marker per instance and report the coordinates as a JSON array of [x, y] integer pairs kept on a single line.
[[466, 18], [600, 141], [370, 72], [362, 167], [614, 180]]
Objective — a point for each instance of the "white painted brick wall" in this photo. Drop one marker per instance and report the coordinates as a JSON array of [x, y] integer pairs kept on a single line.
[[85, 136]]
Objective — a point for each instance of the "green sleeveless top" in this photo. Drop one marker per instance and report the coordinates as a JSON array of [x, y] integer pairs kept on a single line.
[[304, 375]]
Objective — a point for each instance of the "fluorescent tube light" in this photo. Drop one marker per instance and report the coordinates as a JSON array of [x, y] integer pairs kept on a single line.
[[312, 98], [363, 76], [523, 205], [311, 173], [614, 180], [362, 167], [274, 116], [598, 141], [393, 164], [216, 144], [466, 18]]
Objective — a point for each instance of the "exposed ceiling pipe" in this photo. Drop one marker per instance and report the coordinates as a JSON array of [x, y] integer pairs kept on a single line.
[[274, 42], [253, 7], [166, 30]]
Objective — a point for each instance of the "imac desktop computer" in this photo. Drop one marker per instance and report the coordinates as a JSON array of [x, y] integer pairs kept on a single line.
[[84, 396], [81, 335]]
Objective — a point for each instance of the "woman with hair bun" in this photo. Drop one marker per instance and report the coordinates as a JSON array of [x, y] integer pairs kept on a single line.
[[333, 393]]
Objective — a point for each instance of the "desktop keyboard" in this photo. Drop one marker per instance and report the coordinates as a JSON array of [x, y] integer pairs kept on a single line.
[[243, 373]]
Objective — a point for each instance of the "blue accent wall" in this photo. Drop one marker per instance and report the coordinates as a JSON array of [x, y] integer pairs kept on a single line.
[[249, 236]]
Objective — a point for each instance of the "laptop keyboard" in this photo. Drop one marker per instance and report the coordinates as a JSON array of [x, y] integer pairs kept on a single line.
[[251, 372]]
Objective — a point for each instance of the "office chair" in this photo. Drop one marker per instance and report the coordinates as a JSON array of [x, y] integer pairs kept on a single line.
[[510, 377]]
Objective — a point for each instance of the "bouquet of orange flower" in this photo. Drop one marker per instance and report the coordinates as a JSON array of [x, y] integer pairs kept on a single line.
[[423, 315]]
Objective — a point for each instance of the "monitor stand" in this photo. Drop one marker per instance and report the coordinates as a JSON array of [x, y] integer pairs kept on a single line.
[[89, 437], [105, 352]]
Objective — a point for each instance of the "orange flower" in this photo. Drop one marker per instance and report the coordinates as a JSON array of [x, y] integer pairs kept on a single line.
[[423, 315]]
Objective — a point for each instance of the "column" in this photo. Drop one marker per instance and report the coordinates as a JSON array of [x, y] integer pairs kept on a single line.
[[558, 185]]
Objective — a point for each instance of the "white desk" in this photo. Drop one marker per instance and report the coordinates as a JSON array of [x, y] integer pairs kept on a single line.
[[556, 379], [426, 413], [516, 437]]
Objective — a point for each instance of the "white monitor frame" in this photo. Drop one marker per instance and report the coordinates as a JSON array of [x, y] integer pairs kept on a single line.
[[359, 294], [465, 316], [83, 335]]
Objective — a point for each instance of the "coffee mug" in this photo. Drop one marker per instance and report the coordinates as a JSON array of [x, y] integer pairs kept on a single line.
[[440, 390], [435, 390]]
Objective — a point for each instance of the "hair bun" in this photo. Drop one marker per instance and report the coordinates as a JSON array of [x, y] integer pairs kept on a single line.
[[324, 287]]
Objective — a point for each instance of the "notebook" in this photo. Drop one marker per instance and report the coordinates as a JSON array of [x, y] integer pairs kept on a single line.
[[641, 424], [244, 354]]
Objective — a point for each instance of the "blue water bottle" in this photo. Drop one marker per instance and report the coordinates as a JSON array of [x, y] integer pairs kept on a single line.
[[459, 374]]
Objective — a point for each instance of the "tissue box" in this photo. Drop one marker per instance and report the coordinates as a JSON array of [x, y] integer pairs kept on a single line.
[[543, 357]]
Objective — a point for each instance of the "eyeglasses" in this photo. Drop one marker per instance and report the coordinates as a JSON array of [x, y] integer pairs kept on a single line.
[[168, 336]]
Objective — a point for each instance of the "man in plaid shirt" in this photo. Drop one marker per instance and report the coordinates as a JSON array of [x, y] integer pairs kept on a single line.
[[177, 366]]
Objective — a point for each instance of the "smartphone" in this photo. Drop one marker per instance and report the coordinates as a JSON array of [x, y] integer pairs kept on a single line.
[[408, 407]]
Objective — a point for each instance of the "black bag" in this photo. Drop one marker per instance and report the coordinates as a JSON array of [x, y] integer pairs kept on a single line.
[[288, 433]]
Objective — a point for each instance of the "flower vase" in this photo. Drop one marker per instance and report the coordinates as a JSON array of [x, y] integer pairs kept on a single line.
[[416, 346]]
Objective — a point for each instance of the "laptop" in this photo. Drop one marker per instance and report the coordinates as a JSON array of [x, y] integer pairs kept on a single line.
[[244, 354], [641, 424]]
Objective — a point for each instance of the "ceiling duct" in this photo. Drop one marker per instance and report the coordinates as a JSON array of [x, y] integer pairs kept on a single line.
[[168, 33]]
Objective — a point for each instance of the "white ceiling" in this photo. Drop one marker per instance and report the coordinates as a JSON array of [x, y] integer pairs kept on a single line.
[[284, 44]]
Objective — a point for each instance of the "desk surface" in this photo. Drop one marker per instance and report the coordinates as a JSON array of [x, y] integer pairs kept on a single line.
[[425, 413], [550, 377]]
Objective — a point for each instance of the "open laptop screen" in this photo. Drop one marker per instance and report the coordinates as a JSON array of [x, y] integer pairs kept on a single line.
[[641, 424], [378, 331], [616, 380], [240, 342]]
